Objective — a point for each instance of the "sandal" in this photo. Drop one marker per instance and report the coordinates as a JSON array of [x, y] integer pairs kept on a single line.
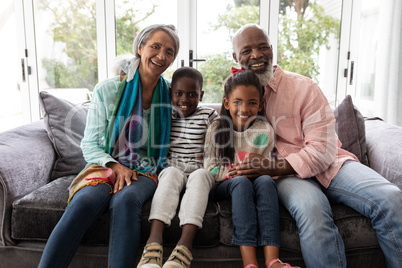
[[286, 265], [151, 256], [181, 257], [251, 266]]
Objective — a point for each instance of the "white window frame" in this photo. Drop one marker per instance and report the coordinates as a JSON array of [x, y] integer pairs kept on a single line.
[[187, 27]]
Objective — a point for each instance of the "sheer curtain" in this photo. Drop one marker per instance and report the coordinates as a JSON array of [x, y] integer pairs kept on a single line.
[[388, 82]]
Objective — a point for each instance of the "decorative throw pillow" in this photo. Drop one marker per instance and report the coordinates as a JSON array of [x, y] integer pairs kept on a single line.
[[65, 124], [351, 129]]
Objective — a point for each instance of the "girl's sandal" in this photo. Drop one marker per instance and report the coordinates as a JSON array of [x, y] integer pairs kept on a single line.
[[251, 266], [151, 256], [286, 265], [181, 257]]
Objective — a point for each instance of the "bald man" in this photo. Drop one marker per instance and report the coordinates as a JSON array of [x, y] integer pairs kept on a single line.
[[311, 169]]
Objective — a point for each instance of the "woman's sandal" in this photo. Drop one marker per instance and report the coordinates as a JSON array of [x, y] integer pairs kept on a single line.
[[151, 256], [286, 265], [181, 257]]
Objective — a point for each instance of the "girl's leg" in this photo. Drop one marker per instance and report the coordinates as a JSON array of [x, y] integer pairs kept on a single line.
[[271, 253], [165, 201], [194, 204], [267, 205], [125, 221], [248, 255], [87, 205], [268, 217], [241, 191]]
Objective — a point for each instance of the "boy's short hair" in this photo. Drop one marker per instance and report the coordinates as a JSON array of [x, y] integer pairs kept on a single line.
[[189, 72]]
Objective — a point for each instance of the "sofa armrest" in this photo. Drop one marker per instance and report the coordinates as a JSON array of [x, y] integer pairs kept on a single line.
[[384, 143], [26, 161]]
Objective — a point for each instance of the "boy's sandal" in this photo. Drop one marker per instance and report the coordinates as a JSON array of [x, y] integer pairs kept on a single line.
[[286, 265], [151, 256], [181, 257]]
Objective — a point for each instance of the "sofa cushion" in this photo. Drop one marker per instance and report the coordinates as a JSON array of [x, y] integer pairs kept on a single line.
[[35, 215], [65, 124], [385, 156], [355, 229], [351, 130]]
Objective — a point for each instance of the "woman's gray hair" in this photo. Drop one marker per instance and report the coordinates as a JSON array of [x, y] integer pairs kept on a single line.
[[145, 34]]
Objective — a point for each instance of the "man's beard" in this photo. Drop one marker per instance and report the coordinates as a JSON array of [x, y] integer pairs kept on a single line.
[[266, 76]]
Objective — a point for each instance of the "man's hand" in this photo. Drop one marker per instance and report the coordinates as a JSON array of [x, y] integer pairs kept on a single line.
[[124, 175], [255, 165]]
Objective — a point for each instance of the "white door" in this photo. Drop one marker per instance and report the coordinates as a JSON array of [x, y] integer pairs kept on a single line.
[[374, 69]]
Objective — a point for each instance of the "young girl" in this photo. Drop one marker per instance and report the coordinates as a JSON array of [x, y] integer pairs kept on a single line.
[[242, 132]]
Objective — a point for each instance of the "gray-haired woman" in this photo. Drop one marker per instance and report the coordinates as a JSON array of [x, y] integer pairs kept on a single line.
[[123, 163]]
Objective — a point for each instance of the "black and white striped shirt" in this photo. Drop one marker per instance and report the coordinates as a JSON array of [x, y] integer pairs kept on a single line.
[[187, 136]]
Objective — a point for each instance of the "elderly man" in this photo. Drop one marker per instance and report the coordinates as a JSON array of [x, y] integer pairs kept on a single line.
[[311, 168]]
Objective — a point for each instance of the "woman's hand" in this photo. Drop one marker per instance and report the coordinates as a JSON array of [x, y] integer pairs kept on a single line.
[[124, 175]]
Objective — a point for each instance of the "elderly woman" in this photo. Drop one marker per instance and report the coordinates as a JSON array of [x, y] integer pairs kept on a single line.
[[125, 144]]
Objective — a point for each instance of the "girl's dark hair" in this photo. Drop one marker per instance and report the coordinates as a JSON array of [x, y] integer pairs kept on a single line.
[[224, 133]]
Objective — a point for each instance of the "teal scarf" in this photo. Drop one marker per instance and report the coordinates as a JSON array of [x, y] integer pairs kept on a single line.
[[125, 130]]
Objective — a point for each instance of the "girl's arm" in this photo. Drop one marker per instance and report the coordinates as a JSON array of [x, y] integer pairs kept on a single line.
[[211, 162]]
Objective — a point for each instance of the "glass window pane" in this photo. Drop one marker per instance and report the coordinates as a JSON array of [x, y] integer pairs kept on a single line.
[[132, 16], [10, 100], [217, 22], [378, 68], [66, 48], [308, 41]]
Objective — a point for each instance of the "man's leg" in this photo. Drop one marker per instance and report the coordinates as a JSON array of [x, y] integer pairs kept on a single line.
[[320, 241], [364, 190]]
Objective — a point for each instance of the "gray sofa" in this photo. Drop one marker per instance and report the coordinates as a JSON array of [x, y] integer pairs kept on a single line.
[[38, 162]]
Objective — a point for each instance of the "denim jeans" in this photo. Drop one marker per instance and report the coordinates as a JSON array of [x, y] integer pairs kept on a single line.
[[87, 205], [255, 210], [356, 186]]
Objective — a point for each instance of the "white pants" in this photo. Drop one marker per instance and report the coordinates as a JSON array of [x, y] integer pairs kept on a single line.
[[195, 199]]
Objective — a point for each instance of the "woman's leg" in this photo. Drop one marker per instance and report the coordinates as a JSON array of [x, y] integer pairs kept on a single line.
[[364, 190], [194, 204], [125, 221], [310, 208], [87, 205], [241, 191]]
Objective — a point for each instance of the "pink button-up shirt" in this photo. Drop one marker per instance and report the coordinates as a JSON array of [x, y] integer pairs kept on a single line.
[[305, 126]]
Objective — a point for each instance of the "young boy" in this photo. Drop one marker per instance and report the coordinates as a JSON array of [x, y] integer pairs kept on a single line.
[[189, 125]]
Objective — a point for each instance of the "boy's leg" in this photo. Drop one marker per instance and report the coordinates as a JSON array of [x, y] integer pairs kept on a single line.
[[166, 198], [364, 190], [194, 204], [310, 208], [195, 198]]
